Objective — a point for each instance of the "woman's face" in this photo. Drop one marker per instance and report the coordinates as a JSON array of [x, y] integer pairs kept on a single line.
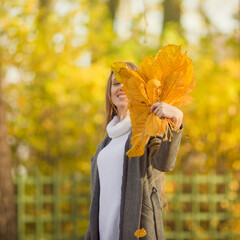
[[118, 97]]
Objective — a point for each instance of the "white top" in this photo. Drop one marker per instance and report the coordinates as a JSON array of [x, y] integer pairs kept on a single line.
[[110, 168]]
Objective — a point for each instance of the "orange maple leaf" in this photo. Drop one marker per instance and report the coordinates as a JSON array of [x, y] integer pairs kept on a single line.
[[140, 233], [167, 77]]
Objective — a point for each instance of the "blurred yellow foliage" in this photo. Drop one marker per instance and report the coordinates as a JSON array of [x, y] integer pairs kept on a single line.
[[59, 65]]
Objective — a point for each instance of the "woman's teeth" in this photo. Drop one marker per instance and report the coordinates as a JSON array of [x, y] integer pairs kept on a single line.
[[122, 96]]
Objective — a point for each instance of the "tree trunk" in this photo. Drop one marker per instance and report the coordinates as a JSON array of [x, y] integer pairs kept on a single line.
[[172, 12], [113, 5], [8, 215], [44, 8]]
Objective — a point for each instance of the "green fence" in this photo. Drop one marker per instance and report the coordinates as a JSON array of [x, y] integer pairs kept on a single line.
[[201, 207]]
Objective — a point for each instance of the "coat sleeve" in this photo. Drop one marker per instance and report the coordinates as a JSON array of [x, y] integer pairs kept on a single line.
[[163, 154]]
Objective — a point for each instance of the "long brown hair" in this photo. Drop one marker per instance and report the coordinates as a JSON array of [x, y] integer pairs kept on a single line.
[[111, 109]]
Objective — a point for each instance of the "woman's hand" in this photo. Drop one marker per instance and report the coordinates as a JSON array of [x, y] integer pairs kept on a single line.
[[164, 110]]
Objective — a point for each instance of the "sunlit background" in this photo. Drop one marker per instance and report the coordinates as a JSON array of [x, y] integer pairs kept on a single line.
[[55, 58]]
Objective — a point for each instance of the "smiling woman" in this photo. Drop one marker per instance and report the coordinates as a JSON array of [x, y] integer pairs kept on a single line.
[[127, 194], [119, 98], [114, 86]]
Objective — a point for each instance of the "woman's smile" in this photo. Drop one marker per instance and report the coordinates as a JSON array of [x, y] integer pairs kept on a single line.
[[119, 98], [122, 96]]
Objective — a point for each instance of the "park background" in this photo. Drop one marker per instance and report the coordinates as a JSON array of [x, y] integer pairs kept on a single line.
[[55, 58]]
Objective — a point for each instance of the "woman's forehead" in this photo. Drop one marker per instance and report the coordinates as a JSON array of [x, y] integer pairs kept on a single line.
[[113, 77]]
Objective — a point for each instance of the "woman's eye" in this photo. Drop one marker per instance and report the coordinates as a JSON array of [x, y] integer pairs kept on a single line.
[[116, 83]]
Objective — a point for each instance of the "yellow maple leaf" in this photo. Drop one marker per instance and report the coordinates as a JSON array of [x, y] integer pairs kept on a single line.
[[167, 77], [140, 233]]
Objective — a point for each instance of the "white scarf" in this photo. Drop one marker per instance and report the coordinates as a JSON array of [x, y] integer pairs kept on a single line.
[[116, 128]]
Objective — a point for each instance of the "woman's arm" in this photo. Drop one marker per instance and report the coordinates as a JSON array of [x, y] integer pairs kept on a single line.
[[163, 154]]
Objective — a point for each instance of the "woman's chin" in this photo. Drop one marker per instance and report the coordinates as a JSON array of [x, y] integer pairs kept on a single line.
[[123, 105]]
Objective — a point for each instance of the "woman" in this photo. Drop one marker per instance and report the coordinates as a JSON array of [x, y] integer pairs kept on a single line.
[[126, 194]]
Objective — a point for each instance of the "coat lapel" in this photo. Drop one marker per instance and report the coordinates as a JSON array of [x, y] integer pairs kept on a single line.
[[131, 196], [94, 209]]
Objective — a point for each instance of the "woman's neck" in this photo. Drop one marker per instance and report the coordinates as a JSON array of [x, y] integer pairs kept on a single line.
[[122, 115]]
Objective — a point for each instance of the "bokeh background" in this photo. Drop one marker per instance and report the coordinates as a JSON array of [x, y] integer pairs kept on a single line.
[[55, 58]]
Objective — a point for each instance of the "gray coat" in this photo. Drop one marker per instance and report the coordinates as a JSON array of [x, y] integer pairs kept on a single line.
[[141, 204]]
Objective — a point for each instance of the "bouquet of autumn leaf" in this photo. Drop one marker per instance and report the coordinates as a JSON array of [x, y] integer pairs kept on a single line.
[[167, 77]]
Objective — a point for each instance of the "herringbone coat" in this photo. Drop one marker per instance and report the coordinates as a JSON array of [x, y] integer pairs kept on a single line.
[[141, 204]]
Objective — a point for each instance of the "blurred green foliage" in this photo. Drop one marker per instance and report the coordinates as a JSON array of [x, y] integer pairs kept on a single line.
[[56, 97]]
